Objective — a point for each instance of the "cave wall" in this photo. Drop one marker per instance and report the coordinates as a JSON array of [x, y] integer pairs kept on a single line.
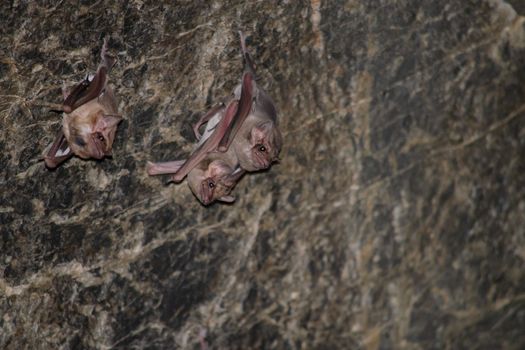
[[395, 218]]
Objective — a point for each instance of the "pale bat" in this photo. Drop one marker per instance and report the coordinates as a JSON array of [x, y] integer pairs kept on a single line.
[[212, 179], [214, 176], [248, 123], [90, 118]]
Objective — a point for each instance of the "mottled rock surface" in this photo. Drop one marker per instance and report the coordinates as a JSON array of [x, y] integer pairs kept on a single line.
[[396, 218]]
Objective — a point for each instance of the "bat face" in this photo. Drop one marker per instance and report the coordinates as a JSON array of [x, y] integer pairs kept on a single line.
[[213, 181], [90, 130], [257, 148]]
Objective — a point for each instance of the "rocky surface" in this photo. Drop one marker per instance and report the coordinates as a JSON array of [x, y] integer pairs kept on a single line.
[[396, 218]]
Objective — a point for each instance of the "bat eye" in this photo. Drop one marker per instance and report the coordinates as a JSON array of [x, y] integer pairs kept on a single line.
[[211, 184], [80, 141], [262, 148], [100, 137]]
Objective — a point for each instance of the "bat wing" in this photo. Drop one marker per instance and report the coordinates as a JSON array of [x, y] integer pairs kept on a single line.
[[210, 144], [206, 118], [164, 168], [107, 99], [248, 92], [90, 88], [244, 109], [59, 151], [264, 106], [86, 91]]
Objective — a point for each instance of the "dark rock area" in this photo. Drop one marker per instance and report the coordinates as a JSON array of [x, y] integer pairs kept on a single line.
[[394, 220]]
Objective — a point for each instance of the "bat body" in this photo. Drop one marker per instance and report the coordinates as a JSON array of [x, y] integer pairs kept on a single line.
[[258, 142], [252, 129], [214, 176], [90, 118], [212, 179]]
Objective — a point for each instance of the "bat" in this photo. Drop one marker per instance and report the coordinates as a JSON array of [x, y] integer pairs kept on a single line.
[[258, 141], [239, 136], [253, 133], [248, 123], [90, 118], [212, 179]]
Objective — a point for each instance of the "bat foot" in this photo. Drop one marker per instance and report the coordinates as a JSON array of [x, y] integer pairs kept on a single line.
[[249, 65], [243, 41], [107, 59]]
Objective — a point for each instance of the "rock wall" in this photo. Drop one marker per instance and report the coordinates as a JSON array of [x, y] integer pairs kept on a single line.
[[395, 218]]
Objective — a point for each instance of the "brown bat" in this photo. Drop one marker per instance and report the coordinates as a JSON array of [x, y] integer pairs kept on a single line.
[[248, 122], [90, 118], [212, 179]]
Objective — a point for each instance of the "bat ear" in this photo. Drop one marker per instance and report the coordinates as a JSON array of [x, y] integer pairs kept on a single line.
[[218, 167], [105, 125], [227, 199], [261, 131], [106, 122]]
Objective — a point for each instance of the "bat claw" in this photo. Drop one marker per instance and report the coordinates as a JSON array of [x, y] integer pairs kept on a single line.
[[197, 134], [249, 65], [107, 59], [104, 50], [243, 41]]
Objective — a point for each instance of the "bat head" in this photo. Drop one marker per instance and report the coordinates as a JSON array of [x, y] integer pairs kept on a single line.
[[265, 143], [213, 182], [91, 137]]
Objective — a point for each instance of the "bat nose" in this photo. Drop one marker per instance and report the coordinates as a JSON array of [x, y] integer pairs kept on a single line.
[[205, 197], [97, 152], [263, 163], [98, 155]]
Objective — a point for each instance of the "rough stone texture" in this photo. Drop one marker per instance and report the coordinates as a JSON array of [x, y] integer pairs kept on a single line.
[[396, 218]]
